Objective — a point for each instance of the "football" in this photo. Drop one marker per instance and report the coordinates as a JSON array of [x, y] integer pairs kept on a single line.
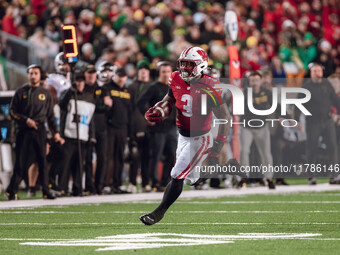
[[163, 108]]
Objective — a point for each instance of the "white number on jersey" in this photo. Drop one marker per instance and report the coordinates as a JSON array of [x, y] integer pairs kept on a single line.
[[187, 108]]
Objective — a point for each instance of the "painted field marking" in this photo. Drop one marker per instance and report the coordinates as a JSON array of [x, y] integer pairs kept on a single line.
[[157, 240], [136, 212], [170, 223], [257, 202]]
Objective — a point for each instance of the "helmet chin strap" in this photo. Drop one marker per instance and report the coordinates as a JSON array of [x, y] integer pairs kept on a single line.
[[193, 79]]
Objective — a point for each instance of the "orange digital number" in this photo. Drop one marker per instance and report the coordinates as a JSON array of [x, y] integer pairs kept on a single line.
[[72, 41]]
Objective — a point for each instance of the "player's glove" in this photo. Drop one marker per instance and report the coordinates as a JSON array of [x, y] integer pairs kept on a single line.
[[215, 151], [153, 116]]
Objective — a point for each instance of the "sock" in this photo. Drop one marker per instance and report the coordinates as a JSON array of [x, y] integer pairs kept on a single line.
[[172, 192]]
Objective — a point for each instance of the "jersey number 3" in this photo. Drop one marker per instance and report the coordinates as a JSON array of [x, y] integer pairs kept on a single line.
[[187, 107]]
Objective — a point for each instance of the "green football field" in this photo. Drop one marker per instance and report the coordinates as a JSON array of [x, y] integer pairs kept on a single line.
[[304, 223]]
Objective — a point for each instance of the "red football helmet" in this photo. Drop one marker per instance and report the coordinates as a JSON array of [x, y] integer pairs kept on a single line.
[[192, 62]]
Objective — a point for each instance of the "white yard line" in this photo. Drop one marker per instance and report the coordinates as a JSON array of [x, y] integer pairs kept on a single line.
[[143, 197], [157, 240], [170, 223], [133, 212], [254, 202]]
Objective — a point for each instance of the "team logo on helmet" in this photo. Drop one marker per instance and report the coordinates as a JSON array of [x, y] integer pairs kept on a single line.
[[106, 71], [59, 62], [192, 62]]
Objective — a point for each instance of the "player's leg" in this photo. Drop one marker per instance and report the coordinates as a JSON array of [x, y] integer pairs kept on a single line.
[[173, 189], [186, 160]]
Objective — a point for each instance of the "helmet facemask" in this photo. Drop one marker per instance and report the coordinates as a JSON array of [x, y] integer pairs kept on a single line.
[[106, 73], [189, 69], [60, 64], [191, 63]]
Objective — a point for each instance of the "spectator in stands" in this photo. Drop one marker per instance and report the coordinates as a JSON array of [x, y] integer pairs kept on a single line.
[[39, 40], [125, 45], [88, 55], [178, 44], [325, 58], [102, 40], [86, 24], [307, 52], [194, 36], [52, 32], [156, 47], [279, 74], [8, 25]]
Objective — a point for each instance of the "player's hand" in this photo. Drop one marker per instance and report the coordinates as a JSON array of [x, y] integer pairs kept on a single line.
[[151, 123], [108, 101], [214, 152], [32, 124], [58, 139], [212, 160], [151, 116]]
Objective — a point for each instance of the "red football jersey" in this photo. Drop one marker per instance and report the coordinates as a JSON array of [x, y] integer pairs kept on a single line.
[[190, 115]]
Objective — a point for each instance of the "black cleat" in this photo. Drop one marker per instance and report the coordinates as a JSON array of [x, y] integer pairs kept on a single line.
[[151, 218], [10, 196], [49, 195], [312, 181], [271, 184], [334, 181]]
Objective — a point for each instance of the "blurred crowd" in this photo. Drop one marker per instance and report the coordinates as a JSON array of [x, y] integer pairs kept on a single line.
[[277, 38], [285, 34]]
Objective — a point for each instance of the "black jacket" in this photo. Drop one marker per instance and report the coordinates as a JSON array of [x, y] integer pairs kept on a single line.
[[155, 93], [120, 113], [100, 117], [34, 103], [138, 122], [261, 101], [323, 97]]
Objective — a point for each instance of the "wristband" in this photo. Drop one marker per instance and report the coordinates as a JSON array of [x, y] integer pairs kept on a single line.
[[221, 137]]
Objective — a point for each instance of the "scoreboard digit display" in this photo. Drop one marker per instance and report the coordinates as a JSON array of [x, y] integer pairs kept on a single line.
[[70, 43]]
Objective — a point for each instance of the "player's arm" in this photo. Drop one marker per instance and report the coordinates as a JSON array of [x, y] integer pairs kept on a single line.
[[157, 113], [222, 113]]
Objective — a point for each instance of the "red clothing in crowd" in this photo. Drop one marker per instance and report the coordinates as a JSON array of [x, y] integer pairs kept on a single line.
[[8, 25], [330, 31], [38, 7]]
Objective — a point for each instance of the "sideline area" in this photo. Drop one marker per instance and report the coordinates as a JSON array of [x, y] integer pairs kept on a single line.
[[143, 197]]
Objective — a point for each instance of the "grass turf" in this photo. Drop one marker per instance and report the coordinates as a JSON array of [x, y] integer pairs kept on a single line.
[[99, 220], [291, 181]]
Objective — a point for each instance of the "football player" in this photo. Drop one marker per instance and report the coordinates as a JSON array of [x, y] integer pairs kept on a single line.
[[61, 81], [105, 72], [194, 118]]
